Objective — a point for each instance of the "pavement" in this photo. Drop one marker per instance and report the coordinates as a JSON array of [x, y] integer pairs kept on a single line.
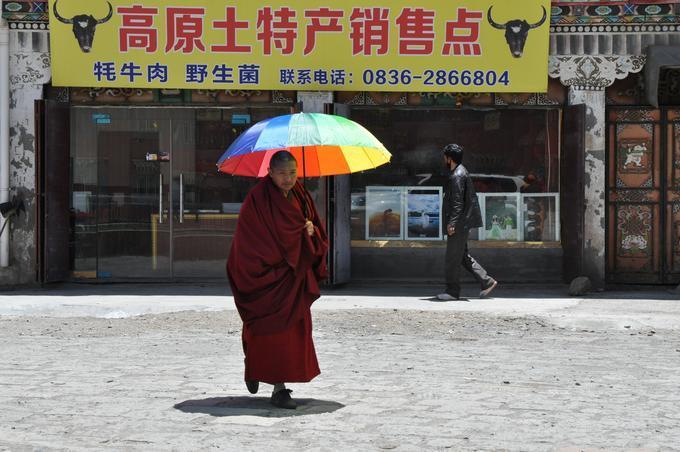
[[151, 367]]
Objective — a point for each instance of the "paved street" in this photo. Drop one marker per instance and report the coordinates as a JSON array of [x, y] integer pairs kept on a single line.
[[157, 368]]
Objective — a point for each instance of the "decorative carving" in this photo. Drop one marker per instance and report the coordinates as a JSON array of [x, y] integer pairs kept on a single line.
[[633, 115], [29, 68], [63, 95], [210, 94], [359, 99], [588, 72], [112, 95], [544, 99], [522, 99], [23, 14], [649, 183], [386, 98], [634, 156], [676, 159], [634, 226], [638, 196], [457, 99], [578, 15], [280, 97], [116, 92], [243, 93]]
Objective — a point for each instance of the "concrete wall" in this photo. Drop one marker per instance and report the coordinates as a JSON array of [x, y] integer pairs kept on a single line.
[[29, 71]]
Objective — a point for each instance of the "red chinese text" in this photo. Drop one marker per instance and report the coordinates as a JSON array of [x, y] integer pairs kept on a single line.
[[231, 27], [370, 29], [462, 35], [137, 31], [277, 27], [185, 29], [416, 31], [331, 24]]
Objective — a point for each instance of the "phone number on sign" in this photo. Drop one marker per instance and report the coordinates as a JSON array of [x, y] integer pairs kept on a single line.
[[436, 78]]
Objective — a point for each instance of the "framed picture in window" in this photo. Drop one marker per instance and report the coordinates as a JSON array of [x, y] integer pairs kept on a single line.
[[384, 210], [501, 217], [541, 217], [357, 215], [423, 213]]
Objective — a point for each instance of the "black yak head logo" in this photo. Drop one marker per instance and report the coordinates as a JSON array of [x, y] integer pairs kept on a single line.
[[516, 31], [84, 26]]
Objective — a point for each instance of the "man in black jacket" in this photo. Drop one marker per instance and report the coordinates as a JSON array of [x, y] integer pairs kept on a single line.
[[461, 213]]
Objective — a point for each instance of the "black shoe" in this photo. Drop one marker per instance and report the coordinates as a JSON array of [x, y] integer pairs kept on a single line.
[[485, 293], [252, 386], [282, 400]]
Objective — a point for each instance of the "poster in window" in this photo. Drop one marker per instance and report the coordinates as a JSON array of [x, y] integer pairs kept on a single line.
[[384, 206], [540, 214], [501, 217], [357, 215], [423, 211]]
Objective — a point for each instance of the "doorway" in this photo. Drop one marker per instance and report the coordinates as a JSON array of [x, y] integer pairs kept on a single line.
[[147, 201], [643, 196]]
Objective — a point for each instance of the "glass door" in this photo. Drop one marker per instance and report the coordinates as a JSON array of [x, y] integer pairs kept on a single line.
[[133, 200], [206, 203], [120, 194], [147, 199]]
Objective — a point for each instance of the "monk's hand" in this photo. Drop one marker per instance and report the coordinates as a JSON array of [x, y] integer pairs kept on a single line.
[[450, 230], [310, 227]]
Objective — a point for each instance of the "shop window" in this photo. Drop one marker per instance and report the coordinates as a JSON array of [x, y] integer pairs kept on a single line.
[[512, 155]]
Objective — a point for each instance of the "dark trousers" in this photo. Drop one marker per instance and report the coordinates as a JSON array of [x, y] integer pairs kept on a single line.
[[457, 258]]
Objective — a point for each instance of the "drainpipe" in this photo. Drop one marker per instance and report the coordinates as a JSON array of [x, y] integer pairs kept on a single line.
[[4, 134]]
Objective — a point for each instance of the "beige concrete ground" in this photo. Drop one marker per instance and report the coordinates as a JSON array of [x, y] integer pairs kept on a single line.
[[530, 370]]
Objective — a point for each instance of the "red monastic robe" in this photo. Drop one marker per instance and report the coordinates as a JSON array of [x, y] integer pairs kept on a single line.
[[274, 267]]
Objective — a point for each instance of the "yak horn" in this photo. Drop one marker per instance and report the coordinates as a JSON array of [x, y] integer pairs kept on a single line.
[[540, 22], [491, 21], [107, 18], [58, 16]]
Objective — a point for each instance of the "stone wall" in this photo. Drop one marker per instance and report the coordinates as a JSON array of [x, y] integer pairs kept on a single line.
[[29, 68]]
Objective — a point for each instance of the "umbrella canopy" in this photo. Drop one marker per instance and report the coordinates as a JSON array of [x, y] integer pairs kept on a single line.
[[324, 145]]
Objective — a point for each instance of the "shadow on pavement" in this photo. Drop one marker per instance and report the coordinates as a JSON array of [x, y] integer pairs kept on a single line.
[[255, 406], [359, 288], [505, 291], [437, 300]]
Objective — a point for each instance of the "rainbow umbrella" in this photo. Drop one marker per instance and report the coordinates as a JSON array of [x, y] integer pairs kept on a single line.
[[324, 145]]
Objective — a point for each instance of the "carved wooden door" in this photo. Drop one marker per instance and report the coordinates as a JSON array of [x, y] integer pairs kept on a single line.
[[643, 196]]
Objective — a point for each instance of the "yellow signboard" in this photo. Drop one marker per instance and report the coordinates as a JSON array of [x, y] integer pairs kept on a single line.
[[364, 45]]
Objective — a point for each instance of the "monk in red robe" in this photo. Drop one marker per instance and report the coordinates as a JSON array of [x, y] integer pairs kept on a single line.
[[277, 258]]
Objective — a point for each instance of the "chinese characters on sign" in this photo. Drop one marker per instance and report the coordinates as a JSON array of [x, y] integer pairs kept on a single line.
[[278, 29], [242, 45]]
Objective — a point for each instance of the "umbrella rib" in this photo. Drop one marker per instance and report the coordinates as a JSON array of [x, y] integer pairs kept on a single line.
[[318, 160], [368, 155], [240, 160]]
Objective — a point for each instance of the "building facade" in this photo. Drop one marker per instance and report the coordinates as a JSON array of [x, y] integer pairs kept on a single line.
[[120, 184]]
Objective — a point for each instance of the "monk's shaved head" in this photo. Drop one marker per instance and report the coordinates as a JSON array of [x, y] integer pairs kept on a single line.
[[281, 159], [283, 171]]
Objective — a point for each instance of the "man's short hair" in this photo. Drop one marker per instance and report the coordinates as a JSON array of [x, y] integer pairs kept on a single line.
[[280, 158], [454, 152]]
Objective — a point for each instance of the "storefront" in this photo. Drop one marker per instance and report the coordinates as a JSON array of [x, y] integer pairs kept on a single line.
[[143, 200], [146, 200], [513, 155], [147, 203]]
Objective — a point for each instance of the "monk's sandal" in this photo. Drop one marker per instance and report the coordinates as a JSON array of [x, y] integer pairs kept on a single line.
[[252, 386], [282, 399]]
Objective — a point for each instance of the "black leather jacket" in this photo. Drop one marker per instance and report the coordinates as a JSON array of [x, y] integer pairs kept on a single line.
[[461, 207]]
